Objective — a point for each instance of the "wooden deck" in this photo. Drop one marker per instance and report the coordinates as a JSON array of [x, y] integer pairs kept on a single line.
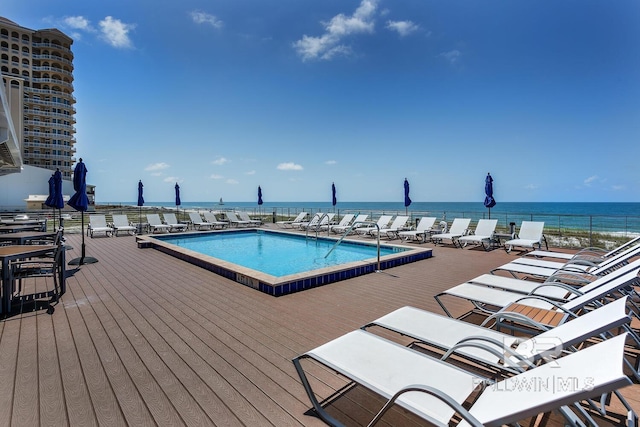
[[141, 338]]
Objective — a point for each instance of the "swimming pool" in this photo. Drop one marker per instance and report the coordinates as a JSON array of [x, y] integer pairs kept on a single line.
[[279, 263]]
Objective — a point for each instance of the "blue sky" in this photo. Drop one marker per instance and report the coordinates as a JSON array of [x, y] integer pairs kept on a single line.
[[292, 95]]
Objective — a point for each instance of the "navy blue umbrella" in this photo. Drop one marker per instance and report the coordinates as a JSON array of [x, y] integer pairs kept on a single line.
[[407, 200], [58, 201], [49, 201], [260, 195], [333, 194], [80, 202], [489, 201], [52, 189], [140, 204], [140, 198], [178, 202]]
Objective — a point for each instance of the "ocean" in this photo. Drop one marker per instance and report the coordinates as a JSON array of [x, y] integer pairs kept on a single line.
[[604, 217]]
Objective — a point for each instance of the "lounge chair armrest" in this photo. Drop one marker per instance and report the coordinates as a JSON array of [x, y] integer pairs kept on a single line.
[[495, 347], [570, 289], [438, 394]]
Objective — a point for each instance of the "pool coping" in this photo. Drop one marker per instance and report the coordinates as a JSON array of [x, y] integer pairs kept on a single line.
[[278, 286]]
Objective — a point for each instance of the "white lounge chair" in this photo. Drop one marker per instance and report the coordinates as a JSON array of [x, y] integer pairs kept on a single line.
[[576, 270], [459, 227], [391, 231], [382, 222], [292, 223], [590, 254], [425, 224], [121, 223], [314, 220], [324, 220], [245, 217], [496, 349], [235, 221], [483, 234], [98, 224], [197, 223], [435, 390], [357, 222], [529, 236], [155, 224], [344, 221], [490, 300], [212, 219], [171, 220]]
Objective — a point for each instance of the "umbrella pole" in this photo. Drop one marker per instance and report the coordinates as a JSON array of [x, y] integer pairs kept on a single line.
[[83, 259]]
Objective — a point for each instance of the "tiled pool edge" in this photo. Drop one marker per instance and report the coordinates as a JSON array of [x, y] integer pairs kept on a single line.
[[279, 286]]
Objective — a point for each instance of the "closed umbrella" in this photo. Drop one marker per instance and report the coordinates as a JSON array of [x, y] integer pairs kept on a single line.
[[407, 200], [333, 194], [58, 201], [260, 195], [489, 201], [178, 202], [140, 204], [80, 202], [49, 201]]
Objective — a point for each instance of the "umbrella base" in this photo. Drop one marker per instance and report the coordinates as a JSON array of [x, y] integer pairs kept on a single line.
[[83, 260]]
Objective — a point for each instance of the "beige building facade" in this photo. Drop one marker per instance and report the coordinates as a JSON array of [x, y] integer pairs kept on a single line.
[[37, 71]]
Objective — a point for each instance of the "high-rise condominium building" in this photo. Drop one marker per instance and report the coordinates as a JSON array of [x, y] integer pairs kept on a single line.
[[37, 71]]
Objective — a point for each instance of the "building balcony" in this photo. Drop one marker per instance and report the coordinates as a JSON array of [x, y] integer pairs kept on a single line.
[[30, 90], [51, 57], [59, 47], [42, 113]]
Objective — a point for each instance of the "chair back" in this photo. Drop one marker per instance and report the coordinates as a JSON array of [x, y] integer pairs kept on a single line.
[[384, 220], [460, 225], [195, 217], [97, 221], [400, 221], [426, 223], [120, 220], [154, 219], [170, 218], [531, 230], [346, 220], [486, 227], [210, 217]]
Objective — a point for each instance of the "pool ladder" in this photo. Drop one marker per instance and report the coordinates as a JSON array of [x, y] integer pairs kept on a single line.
[[317, 227], [349, 230]]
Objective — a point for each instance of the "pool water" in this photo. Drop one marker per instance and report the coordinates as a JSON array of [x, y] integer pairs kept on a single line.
[[277, 254]]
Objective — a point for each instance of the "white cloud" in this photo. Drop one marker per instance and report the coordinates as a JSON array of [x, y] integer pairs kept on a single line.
[[617, 187], [250, 173], [231, 181], [206, 18], [531, 187], [329, 44], [216, 176], [590, 180], [172, 179], [156, 166], [289, 166], [404, 28], [453, 56], [330, 162], [115, 32], [221, 161], [78, 23]]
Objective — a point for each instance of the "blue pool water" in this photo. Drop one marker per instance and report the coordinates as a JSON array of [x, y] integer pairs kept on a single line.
[[276, 254]]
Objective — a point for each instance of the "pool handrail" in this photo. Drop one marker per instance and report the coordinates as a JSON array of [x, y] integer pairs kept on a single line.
[[346, 233]]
